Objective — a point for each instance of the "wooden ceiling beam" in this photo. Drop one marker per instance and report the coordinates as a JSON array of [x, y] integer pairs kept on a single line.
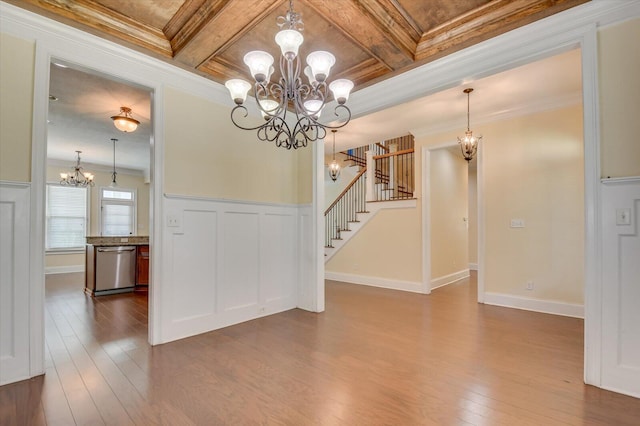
[[355, 22], [484, 22], [396, 23], [102, 21], [221, 23]]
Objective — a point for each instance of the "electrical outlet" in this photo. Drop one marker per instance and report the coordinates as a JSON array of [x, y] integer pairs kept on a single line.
[[517, 223], [529, 285], [173, 221]]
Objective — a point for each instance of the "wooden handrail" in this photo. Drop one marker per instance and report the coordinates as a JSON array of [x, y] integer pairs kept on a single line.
[[391, 154], [382, 146], [355, 179]]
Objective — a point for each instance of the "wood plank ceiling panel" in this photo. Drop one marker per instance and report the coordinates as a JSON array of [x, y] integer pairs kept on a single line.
[[371, 39]]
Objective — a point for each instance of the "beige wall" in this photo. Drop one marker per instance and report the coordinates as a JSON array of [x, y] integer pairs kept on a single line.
[[387, 247], [618, 68], [473, 215], [534, 170], [207, 156], [17, 59], [449, 209]]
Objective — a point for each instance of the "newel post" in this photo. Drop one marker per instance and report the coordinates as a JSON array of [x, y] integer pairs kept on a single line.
[[370, 176]]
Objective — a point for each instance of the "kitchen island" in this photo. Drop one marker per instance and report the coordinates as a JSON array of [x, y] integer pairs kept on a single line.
[[116, 264]]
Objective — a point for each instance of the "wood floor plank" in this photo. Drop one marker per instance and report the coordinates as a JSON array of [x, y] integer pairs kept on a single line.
[[375, 356]]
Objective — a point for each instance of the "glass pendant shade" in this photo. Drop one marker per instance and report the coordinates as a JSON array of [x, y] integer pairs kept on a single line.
[[268, 108], [124, 122], [309, 74], [320, 63], [238, 90], [341, 89], [314, 107], [334, 170], [289, 42], [259, 64], [468, 143]]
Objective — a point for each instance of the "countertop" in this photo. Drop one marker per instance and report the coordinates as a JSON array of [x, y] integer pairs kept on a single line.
[[118, 241]]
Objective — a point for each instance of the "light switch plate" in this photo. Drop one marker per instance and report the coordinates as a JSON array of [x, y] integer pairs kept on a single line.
[[623, 216], [173, 221], [517, 223]]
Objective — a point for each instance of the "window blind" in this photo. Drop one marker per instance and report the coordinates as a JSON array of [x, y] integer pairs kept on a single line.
[[66, 217]]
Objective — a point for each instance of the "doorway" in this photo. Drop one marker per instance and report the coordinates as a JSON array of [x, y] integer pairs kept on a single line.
[[81, 105]]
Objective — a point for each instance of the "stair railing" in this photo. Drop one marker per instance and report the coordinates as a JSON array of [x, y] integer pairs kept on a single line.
[[345, 208], [393, 176]]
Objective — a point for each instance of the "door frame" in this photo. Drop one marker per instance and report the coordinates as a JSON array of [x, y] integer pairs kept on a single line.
[[426, 217]]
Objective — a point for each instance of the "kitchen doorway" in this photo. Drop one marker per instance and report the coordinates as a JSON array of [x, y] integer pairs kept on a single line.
[[112, 212]]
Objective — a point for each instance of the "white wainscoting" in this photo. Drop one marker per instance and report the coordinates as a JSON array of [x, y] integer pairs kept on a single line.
[[14, 282], [620, 213], [226, 262], [535, 305]]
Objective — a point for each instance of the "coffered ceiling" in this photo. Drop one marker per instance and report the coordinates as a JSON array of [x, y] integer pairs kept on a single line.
[[371, 39]]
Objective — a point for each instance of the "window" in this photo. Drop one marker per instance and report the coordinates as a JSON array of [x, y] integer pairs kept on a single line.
[[118, 211], [66, 217]]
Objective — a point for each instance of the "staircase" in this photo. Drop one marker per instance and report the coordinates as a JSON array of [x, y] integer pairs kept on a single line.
[[385, 175]]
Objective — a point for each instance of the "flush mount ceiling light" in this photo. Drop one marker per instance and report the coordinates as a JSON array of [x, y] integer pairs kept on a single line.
[[77, 177], [124, 122], [290, 95], [469, 143], [334, 167]]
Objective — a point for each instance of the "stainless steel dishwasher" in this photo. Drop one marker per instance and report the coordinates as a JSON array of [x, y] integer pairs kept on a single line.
[[115, 269]]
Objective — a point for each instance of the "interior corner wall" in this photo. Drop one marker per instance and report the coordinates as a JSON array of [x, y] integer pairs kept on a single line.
[[473, 215], [17, 60], [207, 156], [619, 87], [449, 212]]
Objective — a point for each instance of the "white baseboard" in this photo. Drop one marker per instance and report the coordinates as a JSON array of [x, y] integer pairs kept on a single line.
[[449, 279], [536, 305], [473, 266], [411, 286], [63, 269]]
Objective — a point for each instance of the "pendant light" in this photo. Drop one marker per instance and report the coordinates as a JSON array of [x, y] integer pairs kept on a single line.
[[468, 143], [114, 184], [124, 122], [77, 177], [334, 167]]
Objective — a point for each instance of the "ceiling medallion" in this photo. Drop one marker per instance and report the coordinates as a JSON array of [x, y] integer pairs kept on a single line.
[[290, 96]]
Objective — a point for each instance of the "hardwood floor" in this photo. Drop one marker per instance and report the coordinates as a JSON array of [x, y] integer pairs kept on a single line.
[[374, 357]]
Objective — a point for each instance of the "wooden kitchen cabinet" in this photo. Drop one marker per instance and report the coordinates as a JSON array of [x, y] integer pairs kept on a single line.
[[142, 265]]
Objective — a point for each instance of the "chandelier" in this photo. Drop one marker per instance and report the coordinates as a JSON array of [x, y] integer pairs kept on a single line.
[[77, 177], [124, 122], [468, 143], [290, 95], [334, 167]]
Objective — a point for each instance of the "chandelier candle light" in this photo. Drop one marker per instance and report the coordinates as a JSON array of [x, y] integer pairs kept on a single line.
[[334, 167], [290, 94], [124, 122], [77, 177], [469, 143]]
